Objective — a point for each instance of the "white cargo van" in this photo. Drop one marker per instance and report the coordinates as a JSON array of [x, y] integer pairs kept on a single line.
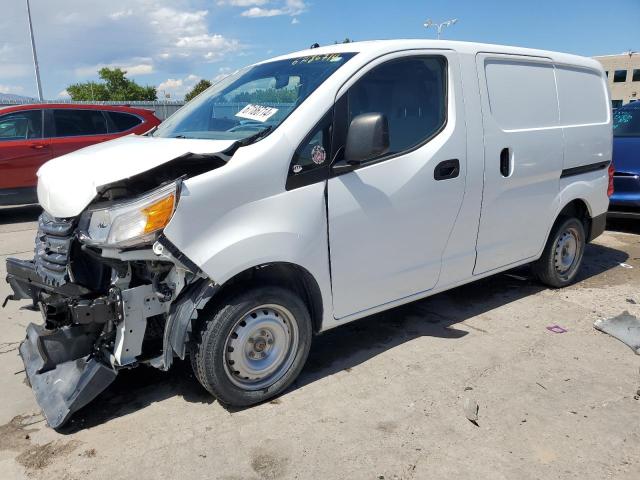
[[303, 193]]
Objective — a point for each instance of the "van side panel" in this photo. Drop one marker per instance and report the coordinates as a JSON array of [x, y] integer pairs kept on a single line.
[[523, 147], [586, 123]]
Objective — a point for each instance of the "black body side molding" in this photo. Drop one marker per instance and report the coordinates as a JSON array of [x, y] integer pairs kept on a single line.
[[592, 167]]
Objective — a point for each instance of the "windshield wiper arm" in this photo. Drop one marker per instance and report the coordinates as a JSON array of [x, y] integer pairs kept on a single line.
[[248, 140], [255, 137]]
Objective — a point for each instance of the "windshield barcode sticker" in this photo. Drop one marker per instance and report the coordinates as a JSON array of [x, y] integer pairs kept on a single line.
[[258, 113]]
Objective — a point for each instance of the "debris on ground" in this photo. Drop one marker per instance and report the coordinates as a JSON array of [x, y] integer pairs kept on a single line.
[[471, 409], [625, 327], [15, 434], [41, 456], [557, 329]]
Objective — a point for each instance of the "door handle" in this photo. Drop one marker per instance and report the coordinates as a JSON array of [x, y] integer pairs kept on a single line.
[[38, 146], [447, 169], [505, 162]]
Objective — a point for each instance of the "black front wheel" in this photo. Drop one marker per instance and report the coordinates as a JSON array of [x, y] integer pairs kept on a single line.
[[560, 262], [252, 346]]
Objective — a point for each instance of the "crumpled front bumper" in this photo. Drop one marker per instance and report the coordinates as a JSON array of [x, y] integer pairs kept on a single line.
[[71, 383], [60, 363]]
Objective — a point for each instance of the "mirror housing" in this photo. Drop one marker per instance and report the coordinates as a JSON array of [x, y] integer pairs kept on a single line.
[[367, 138]]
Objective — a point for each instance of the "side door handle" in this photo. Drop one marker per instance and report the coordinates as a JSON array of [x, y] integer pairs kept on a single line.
[[447, 169], [38, 146], [505, 162]]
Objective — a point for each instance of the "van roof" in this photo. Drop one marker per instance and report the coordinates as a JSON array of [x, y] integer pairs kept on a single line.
[[381, 47]]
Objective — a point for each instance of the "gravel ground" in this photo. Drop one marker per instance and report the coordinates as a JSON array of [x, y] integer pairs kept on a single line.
[[380, 398]]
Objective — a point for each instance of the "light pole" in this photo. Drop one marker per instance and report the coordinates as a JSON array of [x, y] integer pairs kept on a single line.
[[35, 56], [440, 26]]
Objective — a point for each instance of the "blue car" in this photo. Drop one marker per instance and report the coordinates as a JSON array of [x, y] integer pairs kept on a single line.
[[625, 201]]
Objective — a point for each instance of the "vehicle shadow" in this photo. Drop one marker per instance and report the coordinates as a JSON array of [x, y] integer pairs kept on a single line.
[[347, 346], [21, 214]]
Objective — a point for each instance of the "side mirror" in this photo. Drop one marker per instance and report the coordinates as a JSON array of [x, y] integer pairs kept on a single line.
[[367, 138]]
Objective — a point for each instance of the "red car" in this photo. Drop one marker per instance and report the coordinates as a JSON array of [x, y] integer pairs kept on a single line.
[[32, 134]]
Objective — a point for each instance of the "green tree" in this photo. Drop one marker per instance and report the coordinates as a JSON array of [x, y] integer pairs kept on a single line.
[[114, 87], [198, 88]]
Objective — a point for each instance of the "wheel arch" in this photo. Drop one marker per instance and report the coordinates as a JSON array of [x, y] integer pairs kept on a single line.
[[284, 274], [184, 317]]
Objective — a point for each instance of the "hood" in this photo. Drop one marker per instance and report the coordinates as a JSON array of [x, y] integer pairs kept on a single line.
[[626, 154], [67, 184]]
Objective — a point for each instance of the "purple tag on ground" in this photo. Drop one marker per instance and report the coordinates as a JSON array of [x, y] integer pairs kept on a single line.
[[556, 329]]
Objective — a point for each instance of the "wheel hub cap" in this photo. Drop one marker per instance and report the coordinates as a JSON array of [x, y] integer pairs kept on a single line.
[[566, 251], [261, 347]]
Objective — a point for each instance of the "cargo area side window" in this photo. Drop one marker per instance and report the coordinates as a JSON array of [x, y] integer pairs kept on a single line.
[[411, 92]]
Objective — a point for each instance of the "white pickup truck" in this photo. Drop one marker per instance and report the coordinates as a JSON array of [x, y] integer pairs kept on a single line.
[[302, 193]]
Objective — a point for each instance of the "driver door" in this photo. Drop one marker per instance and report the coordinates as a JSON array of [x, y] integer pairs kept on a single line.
[[391, 217]]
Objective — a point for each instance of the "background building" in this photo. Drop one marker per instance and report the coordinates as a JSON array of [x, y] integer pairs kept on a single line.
[[623, 72]]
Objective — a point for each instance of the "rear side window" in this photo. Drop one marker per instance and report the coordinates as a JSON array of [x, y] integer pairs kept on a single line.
[[121, 122], [21, 125], [410, 92], [521, 94], [72, 123], [582, 96]]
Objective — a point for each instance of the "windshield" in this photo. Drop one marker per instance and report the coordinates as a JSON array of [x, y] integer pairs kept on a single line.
[[626, 122], [253, 100]]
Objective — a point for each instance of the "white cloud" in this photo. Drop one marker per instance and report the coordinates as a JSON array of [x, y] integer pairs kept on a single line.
[[177, 88], [243, 3], [289, 7], [145, 67], [11, 89], [295, 21], [121, 14], [64, 95], [263, 12]]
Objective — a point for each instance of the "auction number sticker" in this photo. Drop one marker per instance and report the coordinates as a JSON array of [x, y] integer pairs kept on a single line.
[[259, 113]]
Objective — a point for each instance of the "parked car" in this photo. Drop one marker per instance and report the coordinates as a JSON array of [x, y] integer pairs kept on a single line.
[[625, 201], [300, 194], [33, 134]]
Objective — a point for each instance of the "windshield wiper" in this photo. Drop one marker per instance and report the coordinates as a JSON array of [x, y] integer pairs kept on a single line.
[[248, 140], [255, 137]]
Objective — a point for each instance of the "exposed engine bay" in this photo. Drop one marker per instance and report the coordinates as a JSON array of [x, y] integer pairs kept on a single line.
[[112, 290]]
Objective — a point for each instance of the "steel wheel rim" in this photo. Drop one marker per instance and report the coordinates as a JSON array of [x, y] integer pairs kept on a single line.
[[261, 347], [567, 251]]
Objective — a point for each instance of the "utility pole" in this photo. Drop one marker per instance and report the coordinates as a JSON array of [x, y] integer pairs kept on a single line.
[[440, 26], [35, 56]]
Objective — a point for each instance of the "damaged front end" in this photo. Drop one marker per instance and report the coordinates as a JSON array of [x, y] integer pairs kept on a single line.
[[108, 285]]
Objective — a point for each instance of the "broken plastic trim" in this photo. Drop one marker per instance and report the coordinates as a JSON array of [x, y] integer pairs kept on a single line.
[[182, 316], [68, 386]]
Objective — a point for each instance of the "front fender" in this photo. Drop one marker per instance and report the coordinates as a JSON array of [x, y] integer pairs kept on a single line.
[[288, 227]]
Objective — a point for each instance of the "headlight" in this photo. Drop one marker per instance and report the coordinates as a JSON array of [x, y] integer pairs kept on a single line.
[[132, 222]]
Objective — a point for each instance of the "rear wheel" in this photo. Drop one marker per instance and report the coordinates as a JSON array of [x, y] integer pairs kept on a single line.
[[562, 256], [252, 346]]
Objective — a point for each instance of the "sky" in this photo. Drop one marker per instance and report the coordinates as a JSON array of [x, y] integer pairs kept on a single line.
[[172, 44]]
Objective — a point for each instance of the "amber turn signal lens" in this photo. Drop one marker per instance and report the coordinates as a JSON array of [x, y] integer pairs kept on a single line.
[[158, 214]]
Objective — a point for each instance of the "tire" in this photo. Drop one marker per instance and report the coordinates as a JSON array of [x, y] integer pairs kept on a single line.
[[562, 257], [252, 345]]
